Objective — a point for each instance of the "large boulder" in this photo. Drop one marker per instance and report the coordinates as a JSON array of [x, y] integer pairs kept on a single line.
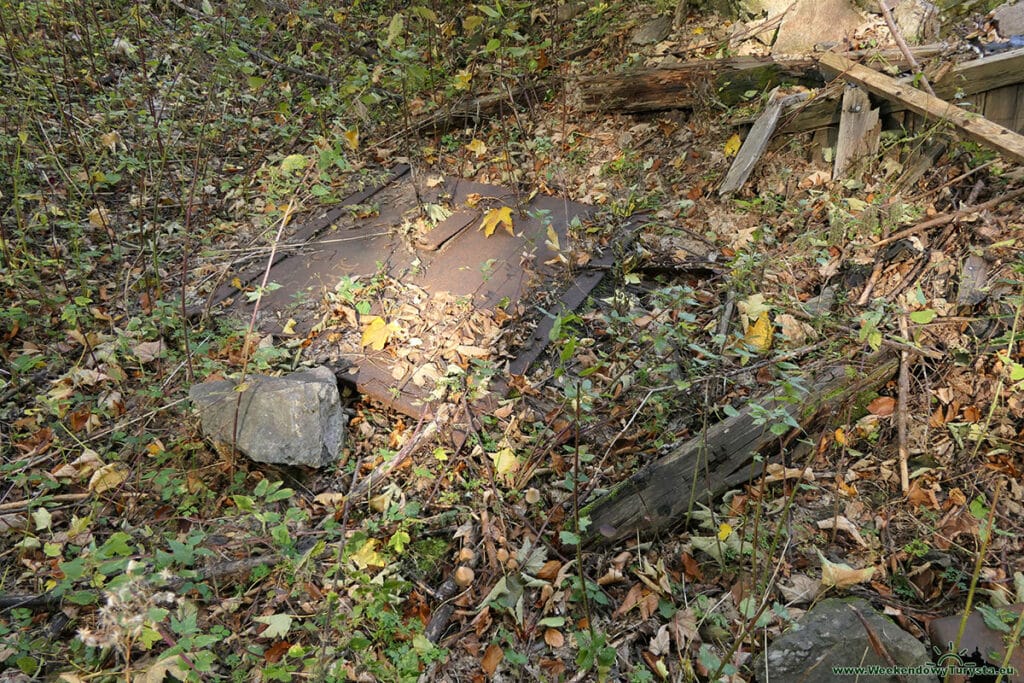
[[832, 635], [293, 420], [812, 22]]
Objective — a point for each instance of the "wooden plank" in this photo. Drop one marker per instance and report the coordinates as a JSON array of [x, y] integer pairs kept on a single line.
[[967, 82], [982, 75], [757, 141], [1001, 106], [859, 130], [973, 126], [664, 491]]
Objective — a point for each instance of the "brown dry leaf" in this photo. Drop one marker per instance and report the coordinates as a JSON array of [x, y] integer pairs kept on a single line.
[[330, 499], [684, 628], [147, 352], [99, 217], [842, 575], [554, 638], [492, 657], [883, 406], [776, 472], [843, 524], [815, 179], [631, 600], [549, 570], [107, 477], [661, 643], [918, 496]]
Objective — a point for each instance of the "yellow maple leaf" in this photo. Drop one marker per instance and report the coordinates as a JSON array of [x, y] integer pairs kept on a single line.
[[732, 146], [377, 333], [352, 138], [759, 335], [368, 556], [462, 79], [495, 217], [724, 529], [477, 147]]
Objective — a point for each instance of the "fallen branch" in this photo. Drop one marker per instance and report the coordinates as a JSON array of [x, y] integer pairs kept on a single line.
[[944, 218]]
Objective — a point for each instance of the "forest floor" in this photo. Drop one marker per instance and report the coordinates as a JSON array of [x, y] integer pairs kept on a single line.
[[149, 147]]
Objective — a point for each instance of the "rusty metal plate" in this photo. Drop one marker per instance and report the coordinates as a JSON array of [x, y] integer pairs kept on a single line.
[[443, 290]]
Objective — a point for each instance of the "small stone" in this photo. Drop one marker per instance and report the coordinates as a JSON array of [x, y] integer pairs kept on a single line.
[[654, 31]]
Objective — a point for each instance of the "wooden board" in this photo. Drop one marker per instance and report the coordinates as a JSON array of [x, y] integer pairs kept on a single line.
[[701, 469], [859, 130], [981, 75], [757, 141], [973, 126]]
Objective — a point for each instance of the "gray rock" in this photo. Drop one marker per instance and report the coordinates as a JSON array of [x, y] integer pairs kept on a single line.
[[1011, 19], [831, 635], [654, 31], [917, 20], [292, 420], [811, 22]]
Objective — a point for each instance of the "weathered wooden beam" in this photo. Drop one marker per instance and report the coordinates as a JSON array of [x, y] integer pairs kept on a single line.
[[682, 86], [975, 127], [757, 141], [982, 75], [664, 491], [729, 80], [859, 130]]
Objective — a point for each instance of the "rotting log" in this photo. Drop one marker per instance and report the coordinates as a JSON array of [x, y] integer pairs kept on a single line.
[[665, 490], [729, 80], [977, 128], [683, 85]]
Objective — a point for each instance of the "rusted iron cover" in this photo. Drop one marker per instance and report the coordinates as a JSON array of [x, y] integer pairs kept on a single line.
[[446, 294]]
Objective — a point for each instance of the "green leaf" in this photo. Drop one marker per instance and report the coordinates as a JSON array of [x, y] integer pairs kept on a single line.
[[293, 162], [568, 538], [395, 28], [399, 541], [278, 625], [1016, 372], [923, 317]]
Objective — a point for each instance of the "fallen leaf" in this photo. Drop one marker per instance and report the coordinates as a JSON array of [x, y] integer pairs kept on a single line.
[[495, 217], [99, 217], [554, 638], [883, 406], [367, 555], [351, 138], [759, 336], [377, 333], [278, 625], [843, 524], [477, 147], [842, 575], [492, 657], [505, 463], [107, 477], [147, 352], [732, 146]]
